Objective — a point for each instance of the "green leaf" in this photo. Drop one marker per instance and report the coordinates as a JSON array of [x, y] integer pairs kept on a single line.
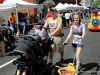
[[96, 4]]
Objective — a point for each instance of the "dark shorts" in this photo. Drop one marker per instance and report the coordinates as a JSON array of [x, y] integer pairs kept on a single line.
[[22, 67], [1, 38], [67, 21], [75, 45]]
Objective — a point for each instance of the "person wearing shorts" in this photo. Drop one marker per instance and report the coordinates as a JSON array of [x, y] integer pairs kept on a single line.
[[78, 32], [67, 17], [55, 25], [2, 44]]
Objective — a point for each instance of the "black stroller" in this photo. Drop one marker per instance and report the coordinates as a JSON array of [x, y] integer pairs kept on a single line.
[[38, 49], [8, 38]]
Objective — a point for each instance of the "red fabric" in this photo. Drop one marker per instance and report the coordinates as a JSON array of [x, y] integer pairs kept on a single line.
[[95, 13], [95, 28], [49, 15], [67, 72], [1, 1]]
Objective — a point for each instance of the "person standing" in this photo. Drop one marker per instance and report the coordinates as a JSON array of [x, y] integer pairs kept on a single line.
[[49, 14], [67, 17], [12, 20], [2, 44], [78, 31], [55, 25], [24, 23]]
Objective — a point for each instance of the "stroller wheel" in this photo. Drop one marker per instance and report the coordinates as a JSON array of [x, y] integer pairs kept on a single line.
[[51, 71]]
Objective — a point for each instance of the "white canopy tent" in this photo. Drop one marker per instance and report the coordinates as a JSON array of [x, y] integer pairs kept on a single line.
[[14, 5], [60, 6], [9, 5], [68, 7], [85, 7], [75, 6]]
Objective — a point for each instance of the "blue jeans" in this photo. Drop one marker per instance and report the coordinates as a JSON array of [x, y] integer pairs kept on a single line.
[[24, 27], [14, 27]]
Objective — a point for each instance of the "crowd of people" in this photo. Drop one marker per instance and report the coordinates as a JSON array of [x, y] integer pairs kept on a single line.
[[24, 21], [77, 31], [54, 21]]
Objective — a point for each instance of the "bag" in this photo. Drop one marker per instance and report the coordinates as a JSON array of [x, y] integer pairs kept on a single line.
[[76, 40], [17, 35]]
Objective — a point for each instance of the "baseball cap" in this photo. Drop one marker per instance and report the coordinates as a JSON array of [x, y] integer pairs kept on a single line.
[[53, 9]]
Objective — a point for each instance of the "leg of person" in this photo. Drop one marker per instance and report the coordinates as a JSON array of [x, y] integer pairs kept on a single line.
[[14, 27], [19, 71], [60, 47], [78, 53], [74, 48], [51, 56], [24, 28], [3, 47], [52, 53], [66, 23], [24, 72], [62, 56]]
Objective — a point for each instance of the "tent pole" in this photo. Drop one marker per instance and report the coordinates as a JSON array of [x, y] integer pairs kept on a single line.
[[27, 9], [17, 20]]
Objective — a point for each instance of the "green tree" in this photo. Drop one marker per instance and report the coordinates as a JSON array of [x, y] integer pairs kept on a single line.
[[96, 4]]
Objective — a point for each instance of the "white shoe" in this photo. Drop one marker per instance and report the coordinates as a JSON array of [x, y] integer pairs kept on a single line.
[[76, 73]]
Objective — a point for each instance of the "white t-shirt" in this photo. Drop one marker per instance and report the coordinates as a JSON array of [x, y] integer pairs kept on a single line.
[[67, 16]]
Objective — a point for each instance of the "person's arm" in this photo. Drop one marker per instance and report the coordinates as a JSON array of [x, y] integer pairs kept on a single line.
[[9, 19], [69, 35], [45, 25], [58, 28]]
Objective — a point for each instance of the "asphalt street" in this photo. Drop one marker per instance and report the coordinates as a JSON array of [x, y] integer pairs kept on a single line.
[[90, 57]]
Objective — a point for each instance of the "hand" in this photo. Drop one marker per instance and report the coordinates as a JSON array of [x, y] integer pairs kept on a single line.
[[66, 42], [51, 34]]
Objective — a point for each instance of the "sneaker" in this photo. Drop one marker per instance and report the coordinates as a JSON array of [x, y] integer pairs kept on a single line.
[[76, 73], [49, 64], [61, 61]]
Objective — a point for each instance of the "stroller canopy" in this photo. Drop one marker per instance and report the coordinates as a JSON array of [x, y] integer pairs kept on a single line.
[[29, 46], [31, 43]]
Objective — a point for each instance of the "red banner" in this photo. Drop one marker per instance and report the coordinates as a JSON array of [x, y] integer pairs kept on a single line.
[[1, 1]]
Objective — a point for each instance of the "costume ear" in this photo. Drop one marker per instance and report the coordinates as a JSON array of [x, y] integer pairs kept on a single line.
[[95, 13]]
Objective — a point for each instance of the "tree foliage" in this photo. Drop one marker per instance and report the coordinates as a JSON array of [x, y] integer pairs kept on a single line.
[[96, 4]]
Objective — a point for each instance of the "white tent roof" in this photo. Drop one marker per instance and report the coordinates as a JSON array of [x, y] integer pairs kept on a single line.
[[66, 4], [9, 5], [60, 6]]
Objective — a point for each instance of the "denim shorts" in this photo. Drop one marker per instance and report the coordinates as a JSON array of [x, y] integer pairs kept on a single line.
[[75, 45]]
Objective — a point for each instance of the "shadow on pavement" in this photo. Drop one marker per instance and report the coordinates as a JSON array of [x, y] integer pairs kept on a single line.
[[66, 61], [84, 68], [88, 68], [94, 30]]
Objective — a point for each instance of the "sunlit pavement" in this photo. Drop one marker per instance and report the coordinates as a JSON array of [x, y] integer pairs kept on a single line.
[[89, 58]]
